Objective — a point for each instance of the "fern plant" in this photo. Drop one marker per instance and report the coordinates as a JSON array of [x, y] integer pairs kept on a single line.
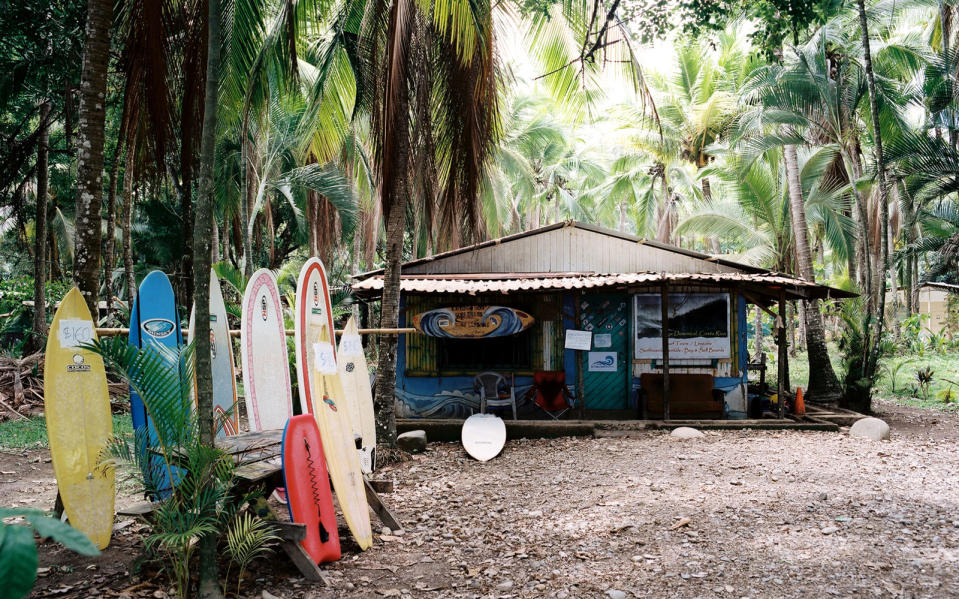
[[248, 538]]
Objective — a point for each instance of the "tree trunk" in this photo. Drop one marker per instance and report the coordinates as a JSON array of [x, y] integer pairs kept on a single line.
[[389, 317], [215, 239], [395, 198], [40, 236], [110, 249], [759, 333], [823, 384], [93, 89], [129, 277], [246, 190], [873, 361], [209, 586]]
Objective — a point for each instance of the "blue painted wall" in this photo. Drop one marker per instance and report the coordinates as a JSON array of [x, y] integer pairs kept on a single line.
[[454, 397]]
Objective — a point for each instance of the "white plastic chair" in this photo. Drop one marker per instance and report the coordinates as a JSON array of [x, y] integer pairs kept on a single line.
[[492, 387]]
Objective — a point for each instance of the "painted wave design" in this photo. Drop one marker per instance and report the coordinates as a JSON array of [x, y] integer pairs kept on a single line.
[[607, 362], [507, 321], [456, 403]]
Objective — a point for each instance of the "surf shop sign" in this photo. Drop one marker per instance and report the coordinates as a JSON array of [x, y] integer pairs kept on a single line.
[[472, 322], [698, 326]]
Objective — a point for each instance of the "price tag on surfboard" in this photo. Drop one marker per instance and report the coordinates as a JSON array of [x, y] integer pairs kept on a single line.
[[323, 358], [350, 345], [73, 332]]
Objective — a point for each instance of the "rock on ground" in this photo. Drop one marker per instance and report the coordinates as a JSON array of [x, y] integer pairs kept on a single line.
[[685, 432], [870, 428], [413, 441]]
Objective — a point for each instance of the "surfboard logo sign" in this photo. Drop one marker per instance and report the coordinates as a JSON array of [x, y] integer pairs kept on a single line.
[[79, 364], [158, 328], [472, 322], [263, 309]]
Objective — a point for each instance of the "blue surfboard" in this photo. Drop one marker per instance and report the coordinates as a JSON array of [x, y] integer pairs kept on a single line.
[[153, 321]]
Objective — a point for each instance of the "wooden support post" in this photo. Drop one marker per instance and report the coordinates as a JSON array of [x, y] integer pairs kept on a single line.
[[782, 356], [381, 511], [580, 386], [664, 301], [291, 534]]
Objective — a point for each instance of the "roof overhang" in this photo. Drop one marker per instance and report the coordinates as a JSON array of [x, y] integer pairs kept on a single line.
[[758, 287]]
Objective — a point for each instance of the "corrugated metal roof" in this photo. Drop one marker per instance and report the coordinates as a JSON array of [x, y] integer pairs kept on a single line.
[[570, 224], [502, 283]]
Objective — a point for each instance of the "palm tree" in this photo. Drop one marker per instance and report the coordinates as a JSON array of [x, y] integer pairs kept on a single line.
[[93, 88]]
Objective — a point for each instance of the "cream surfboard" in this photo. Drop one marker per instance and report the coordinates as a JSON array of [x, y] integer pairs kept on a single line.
[[342, 459], [314, 323], [266, 368], [355, 377], [221, 351], [79, 425], [484, 436]]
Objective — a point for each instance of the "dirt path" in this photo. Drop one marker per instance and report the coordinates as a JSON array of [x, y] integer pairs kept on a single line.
[[735, 514]]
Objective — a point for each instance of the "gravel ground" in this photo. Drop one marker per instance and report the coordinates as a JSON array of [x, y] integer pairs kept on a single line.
[[734, 514]]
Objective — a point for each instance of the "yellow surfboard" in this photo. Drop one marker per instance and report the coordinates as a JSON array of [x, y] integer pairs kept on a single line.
[[342, 459], [77, 407], [355, 378]]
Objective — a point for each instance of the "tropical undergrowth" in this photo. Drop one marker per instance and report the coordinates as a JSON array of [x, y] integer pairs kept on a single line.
[[862, 351], [193, 483]]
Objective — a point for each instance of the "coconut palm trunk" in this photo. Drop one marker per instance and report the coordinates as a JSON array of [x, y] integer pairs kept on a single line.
[[40, 234], [823, 384], [872, 359], [209, 586], [111, 217], [127, 227], [93, 90]]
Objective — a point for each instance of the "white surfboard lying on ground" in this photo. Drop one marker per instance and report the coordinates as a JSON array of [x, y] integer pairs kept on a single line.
[[484, 436]]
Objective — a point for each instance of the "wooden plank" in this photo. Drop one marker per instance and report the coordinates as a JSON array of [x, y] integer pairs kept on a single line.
[[256, 471], [381, 511], [289, 531], [304, 563], [381, 486]]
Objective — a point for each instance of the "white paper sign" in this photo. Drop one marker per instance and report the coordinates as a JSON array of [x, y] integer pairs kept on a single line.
[[602, 340], [74, 332], [323, 358], [602, 361], [351, 345], [581, 340]]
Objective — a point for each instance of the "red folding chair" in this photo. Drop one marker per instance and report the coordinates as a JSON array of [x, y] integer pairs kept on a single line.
[[551, 394]]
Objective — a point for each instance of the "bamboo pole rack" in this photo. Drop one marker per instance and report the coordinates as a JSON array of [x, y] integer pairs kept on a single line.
[[113, 332]]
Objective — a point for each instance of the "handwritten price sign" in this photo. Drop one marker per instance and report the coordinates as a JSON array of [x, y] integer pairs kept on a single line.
[[323, 358], [75, 332], [351, 345]]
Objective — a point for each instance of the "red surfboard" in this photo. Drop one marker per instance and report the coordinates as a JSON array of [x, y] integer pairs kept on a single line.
[[308, 488]]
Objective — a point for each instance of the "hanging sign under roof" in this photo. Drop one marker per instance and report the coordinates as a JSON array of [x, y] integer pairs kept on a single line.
[[472, 322]]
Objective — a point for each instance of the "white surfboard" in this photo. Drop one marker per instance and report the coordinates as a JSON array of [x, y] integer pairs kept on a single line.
[[266, 368], [221, 351], [313, 324], [484, 436], [355, 378]]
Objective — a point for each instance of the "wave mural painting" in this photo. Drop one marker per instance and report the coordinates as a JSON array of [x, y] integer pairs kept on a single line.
[[472, 322]]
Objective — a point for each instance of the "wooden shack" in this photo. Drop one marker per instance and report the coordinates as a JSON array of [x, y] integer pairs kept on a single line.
[[591, 303]]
